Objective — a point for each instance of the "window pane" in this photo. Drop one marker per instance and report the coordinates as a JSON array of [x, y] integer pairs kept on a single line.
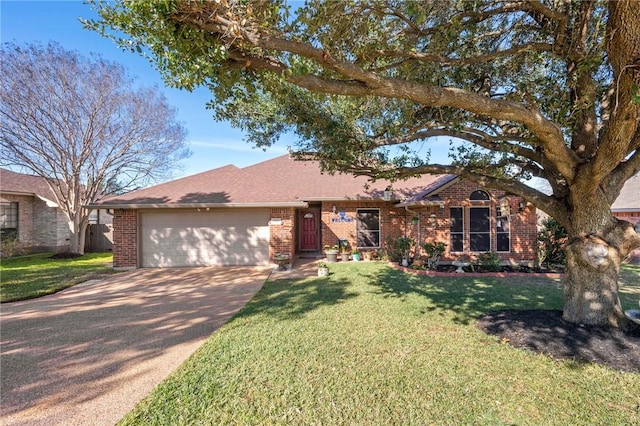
[[479, 242], [368, 220], [368, 228], [456, 219], [479, 196], [502, 242], [479, 229], [479, 219], [369, 239], [457, 242], [9, 215]]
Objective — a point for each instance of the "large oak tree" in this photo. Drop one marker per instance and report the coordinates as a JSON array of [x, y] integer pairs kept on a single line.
[[83, 125], [539, 88]]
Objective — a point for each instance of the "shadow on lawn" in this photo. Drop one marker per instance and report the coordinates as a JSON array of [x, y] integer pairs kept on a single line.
[[293, 298], [470, 297], [524, 312]]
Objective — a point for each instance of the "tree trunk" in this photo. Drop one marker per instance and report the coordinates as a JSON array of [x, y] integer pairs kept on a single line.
[[591, 280], [78, 230]]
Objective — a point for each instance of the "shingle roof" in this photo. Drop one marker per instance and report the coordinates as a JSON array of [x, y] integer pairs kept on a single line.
[[20, 183], [629, 198], [280, 181]]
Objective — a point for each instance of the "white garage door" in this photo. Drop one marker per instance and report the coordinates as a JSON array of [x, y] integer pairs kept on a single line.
[[205, 238]]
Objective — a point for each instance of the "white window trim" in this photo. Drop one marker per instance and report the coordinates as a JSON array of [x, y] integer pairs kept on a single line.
[[463, 232], [490, 233], [508, 233], [379, 228]]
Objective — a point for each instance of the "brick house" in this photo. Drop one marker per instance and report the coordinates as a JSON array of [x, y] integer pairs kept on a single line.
[[233, 216], [29, 214], [627, 207]]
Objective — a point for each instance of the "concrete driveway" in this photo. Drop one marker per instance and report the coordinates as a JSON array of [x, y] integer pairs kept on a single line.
[[87, 355]]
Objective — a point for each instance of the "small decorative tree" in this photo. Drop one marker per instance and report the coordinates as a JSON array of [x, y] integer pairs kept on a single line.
[[434, 252], [404, 246]]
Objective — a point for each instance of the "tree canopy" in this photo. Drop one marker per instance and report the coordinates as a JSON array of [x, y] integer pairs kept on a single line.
[[84, 125], [532, 88]]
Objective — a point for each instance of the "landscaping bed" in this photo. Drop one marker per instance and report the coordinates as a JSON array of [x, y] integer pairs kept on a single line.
[[545, 332], [504, 272]]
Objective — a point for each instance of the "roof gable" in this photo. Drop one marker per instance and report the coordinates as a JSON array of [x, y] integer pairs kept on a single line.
[[629, 198], [20, 183]]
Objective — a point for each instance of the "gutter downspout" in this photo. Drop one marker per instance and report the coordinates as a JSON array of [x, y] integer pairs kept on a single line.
[[419, 236]]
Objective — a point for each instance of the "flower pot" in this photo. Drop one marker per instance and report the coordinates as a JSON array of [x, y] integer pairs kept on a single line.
[[332, 256], [356, 257], [323, 272], [345, 256]]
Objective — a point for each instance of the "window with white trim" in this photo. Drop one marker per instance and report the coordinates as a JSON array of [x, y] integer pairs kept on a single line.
[[368, 228], [456, 228], [9, 220], [479, 229], [503, 236]]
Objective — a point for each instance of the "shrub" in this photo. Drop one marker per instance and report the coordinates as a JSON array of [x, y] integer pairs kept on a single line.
[[434, 251], [10, 247], [489, 261], [552, 239]]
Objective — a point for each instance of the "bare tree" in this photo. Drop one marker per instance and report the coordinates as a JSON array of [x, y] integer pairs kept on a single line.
[[81, 124]]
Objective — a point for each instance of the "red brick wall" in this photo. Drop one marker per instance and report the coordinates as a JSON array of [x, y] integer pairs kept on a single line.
[[282, 237], [125, 238], [391, 221], [397, 222]]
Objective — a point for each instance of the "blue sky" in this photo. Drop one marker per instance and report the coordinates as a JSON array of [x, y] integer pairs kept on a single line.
[[213, 143]]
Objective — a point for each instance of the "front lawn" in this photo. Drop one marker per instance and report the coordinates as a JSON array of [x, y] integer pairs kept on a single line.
[[26, 277], [370, 345]]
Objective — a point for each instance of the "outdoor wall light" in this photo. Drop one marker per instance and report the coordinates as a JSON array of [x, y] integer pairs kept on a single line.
[[522, 205], [334, 209], [432, 220], [386, 195]]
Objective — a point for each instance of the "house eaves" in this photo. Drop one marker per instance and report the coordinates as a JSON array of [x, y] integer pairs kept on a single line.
[[429, 196], [138, 206], [48, 202], [434, 201]]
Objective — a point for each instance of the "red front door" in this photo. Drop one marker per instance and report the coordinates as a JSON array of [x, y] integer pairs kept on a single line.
[[309, 230]]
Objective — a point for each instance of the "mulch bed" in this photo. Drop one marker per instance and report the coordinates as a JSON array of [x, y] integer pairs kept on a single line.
[[545, 332], [66, 255]]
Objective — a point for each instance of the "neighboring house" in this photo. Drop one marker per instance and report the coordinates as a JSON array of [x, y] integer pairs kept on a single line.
[[627, 207], [233, 216], [29, 213]]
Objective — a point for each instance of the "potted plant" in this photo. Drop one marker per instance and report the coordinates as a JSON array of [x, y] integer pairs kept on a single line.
[[344, 250], [356, 255], [331, 252], [282, 260], [323, 269]]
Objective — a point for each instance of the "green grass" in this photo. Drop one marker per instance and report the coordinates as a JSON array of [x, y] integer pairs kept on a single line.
[[629, 283], [26, 277], [370, 345]]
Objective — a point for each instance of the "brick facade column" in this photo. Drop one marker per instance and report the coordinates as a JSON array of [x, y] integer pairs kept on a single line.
[[125, 238]]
